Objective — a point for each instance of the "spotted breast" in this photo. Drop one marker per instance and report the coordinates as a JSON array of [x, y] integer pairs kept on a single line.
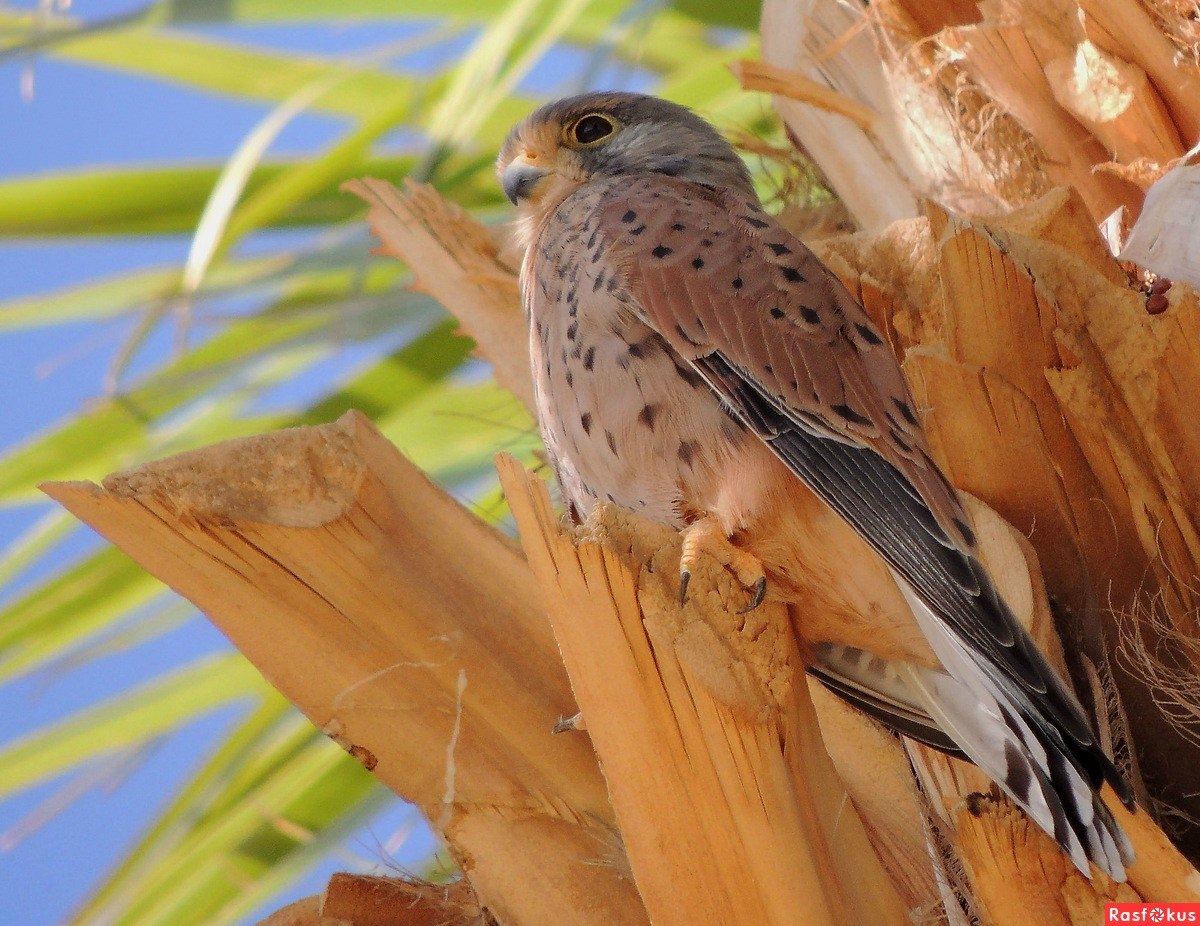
[[623, 417]]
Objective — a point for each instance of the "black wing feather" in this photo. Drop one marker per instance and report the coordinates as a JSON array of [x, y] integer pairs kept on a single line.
[[875, 498], [910, 723]]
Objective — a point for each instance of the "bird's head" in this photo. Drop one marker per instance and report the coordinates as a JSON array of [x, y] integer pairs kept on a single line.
[[570, 142]]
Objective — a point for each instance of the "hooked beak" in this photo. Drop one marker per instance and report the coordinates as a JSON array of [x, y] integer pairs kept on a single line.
[[521, 178]]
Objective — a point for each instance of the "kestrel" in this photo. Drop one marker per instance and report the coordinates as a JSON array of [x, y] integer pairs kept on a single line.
[[695, 363]]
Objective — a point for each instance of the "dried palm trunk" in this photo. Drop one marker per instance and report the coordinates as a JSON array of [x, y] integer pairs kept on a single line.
[[1024, 338], [405, 629], [733, 792]]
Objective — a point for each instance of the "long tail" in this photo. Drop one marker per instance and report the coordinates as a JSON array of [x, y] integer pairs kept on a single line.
[[967, 713]]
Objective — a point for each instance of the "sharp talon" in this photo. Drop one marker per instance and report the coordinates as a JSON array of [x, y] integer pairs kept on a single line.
[[760, 592], [707, 537]]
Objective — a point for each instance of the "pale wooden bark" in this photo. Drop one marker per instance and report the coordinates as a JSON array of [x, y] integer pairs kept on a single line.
[[866, 174], [729, 807], [1127, 31], [981, 105], [1115, 100], [309, 549], [878, 779], [402, 626], [1011, 67]]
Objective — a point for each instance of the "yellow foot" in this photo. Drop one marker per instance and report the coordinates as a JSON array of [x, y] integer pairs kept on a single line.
[[708, 537]]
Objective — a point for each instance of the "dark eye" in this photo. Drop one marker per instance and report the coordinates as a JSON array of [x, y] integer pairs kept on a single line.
[[592, 128]]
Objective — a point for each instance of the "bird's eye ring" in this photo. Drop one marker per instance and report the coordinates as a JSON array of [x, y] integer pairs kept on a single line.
[[589, 129]]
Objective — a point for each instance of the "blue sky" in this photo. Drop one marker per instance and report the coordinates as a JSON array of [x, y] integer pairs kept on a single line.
[[79, 117]]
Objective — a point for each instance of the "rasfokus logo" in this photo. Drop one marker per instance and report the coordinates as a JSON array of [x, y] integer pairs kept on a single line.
[[1152, 913]]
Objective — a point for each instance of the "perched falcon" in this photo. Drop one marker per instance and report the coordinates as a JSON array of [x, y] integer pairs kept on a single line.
[[697, 364]]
